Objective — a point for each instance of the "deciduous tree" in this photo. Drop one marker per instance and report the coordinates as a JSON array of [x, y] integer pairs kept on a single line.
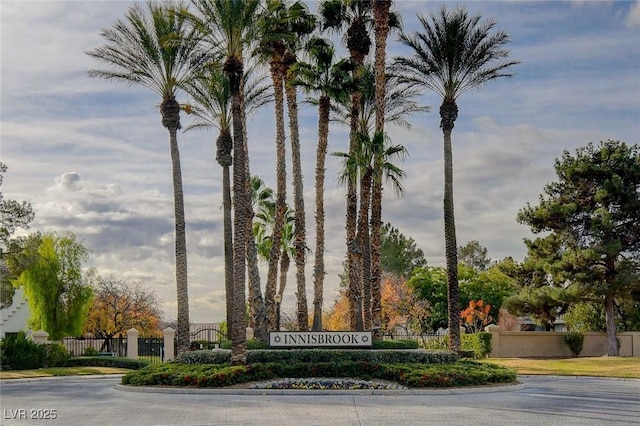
[[118, 306], [13, 215], [56, 285]]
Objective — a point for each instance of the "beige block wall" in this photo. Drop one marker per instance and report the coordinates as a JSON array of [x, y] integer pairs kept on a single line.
[[532, 344]]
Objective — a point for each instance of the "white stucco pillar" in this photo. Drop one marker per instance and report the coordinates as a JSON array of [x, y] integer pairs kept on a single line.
[[169, 337], [132, 343], [495, 340], [41, 337]]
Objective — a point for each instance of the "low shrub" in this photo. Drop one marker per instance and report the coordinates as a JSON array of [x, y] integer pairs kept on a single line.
[[410, 356], [57, 355], [90, 351], [203, 345], [395, 344], [103, 361], [476, 345], [20, 353], [460, 373], [251, 344], [574, 340], [216, 356]]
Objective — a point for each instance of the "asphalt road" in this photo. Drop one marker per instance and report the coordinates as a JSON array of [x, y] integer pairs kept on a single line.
[[544, 400]]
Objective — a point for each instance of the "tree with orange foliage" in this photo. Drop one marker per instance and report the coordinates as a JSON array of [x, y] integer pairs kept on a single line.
[[337, 319], [401, 307], [476, 316], [119, 306]]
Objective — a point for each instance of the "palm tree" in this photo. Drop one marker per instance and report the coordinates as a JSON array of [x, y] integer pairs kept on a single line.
[[272, 49], [211, 95], [153, 48], [363, 165], [455, 53], [331, 79], [301, 25], [355, 16], [264, 207], [398, 105], [381, 16], [228, 28]]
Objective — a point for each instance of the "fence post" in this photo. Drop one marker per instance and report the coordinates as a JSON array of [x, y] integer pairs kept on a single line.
[[169, 336], [249, 333], [41, 337], [132, 343]]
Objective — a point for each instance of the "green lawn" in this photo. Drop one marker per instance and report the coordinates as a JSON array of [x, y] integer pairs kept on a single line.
[[60, 371], [627, 367]]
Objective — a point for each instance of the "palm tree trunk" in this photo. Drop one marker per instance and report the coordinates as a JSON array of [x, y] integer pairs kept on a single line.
[[170, 110], [224, 145], [354, 254], [285, 261], [381, 24], [234, 70], [381, 21], [448, 115], [256, 301], [364, 242], [300, 237], [281, 196], [451, 251], [321, 155], [228, 244], [376, 261]]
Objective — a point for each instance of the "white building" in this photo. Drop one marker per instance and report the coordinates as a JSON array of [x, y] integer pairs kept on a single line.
[[14, 318]]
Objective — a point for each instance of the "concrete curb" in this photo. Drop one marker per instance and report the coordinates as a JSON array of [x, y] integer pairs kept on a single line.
[[314, 392]]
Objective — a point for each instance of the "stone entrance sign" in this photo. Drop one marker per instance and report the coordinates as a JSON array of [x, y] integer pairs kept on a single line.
[[320, 339]]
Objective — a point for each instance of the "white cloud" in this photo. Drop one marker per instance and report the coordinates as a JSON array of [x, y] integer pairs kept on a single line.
[[633, 18], [93, 158]]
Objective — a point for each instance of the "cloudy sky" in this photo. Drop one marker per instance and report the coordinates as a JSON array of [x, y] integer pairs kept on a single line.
[[92, 157]]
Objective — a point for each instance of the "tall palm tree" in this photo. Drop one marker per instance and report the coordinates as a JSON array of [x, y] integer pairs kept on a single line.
[[355, 17], [381, 17], [363, 165], [398, 105], [331, 79], [211, 95], [264, 206], [153, 48], [301, 24], [272, 47], [228, 27], [455, 53]]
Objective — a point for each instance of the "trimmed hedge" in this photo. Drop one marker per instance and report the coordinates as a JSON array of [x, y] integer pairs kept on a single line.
[[391, 356], [477, 345], [251, 344], [460, 373], [103, 361], [395, 344]]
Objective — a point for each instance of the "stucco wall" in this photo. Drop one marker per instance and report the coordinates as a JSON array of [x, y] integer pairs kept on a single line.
[[531, 344]]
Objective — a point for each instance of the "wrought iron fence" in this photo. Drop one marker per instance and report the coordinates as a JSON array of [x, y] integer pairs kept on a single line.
[[151, 349], [111, 346], [424, 340]]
